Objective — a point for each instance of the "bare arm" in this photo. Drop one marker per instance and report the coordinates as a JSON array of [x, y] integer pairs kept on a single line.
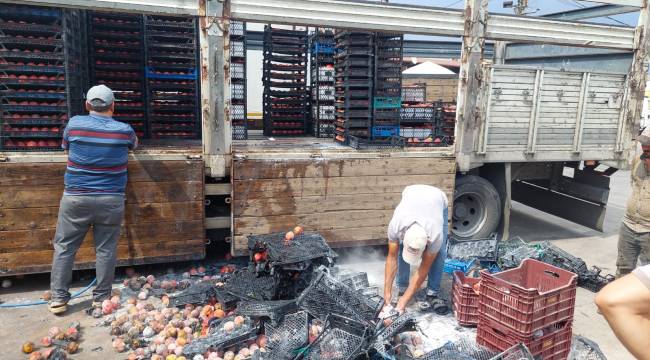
[[390, 271], [416, 280]]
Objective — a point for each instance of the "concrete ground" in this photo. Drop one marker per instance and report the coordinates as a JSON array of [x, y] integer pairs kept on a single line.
[[31, 323]]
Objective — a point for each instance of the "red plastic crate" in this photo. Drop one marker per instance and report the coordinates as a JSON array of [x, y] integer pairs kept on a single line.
[[465, 299], [529, 297], [550, 343]]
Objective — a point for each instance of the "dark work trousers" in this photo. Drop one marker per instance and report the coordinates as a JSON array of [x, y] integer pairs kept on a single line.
[[632, 247], [77, 214]]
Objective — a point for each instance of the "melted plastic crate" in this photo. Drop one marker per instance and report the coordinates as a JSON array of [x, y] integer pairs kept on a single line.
[[528, 298]]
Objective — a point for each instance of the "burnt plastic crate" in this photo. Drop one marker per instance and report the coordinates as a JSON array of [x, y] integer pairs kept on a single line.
[[528, 298], [466, 299]]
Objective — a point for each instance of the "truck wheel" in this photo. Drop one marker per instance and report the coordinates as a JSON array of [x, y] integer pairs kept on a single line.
[[477, 208]]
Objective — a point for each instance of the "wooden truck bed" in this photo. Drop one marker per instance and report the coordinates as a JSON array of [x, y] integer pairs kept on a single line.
[[163, 221], [347, 195]]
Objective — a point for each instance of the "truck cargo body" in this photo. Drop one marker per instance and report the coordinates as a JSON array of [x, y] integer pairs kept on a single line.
[[509, 117]]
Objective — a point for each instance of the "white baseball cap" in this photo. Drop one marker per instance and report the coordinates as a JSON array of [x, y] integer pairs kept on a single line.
[[415, 241]]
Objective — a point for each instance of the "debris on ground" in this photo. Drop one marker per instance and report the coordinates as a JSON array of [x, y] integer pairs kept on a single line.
[[292, 302]]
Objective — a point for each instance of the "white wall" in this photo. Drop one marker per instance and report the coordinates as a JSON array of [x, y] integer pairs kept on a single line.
[[254, 81]]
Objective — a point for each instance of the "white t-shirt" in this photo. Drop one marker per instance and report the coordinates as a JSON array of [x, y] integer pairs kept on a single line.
[[422, 204]]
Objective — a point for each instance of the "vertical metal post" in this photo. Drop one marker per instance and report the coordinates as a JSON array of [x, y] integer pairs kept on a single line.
[[470, 81], [635, 84], [534, 112], [582, 109], [215, 86], [486, 100]]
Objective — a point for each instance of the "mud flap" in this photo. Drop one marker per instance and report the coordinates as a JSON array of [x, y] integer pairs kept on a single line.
[[580, 198]]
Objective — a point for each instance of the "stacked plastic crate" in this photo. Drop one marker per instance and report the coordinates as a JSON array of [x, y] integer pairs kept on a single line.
[[354, 68], [286, 109], [117, 61], [171, 46], [322, 82], [387, 98], [40, 78], [238, 110], [447, 121], [416, 116], [532, 304]]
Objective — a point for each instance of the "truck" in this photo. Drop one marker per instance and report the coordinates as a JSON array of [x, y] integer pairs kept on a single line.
[[540, 135]]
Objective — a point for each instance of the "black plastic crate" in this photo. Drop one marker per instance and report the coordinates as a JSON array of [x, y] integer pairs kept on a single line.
[[384, 337], [218, 338], [274, 310], [555, 256], [480, 249], [394, 142], [246, 285], [306, 246], [286, 338], [342, 339], [326, 295], [198, 293]]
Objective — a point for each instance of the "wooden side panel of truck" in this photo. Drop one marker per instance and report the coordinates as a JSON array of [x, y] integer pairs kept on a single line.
[[163, 220]]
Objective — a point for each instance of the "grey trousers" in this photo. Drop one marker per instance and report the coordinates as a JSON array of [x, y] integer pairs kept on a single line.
[[104, 213], [632, 247]]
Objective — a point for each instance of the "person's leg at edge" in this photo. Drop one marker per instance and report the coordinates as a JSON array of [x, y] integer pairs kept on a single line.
[[107, 226], [625, 304], [628, 251], [403, 272], [71, 228], [435, 273]]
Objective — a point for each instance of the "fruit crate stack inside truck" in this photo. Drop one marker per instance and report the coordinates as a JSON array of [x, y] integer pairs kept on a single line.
[[41, 75]]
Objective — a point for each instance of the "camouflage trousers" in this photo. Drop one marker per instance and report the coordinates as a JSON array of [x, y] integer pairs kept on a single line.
[[633, 248]]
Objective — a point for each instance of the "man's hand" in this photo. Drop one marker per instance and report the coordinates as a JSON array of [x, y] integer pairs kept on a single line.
[[400, 310], [417, 279]]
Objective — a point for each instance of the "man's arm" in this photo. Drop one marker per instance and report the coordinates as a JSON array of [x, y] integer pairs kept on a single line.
[[134, 140], [416, 281], [391, 270]]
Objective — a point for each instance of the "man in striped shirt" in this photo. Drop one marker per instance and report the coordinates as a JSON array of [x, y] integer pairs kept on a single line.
[[95, 180]]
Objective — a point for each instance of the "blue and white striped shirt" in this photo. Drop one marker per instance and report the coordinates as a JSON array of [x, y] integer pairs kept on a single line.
[[98, 155]]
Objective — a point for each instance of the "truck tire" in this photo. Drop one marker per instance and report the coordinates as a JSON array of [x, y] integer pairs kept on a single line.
[[477, 208]]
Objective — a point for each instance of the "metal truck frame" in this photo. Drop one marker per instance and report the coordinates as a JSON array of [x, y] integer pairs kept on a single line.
[[489, 163]]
